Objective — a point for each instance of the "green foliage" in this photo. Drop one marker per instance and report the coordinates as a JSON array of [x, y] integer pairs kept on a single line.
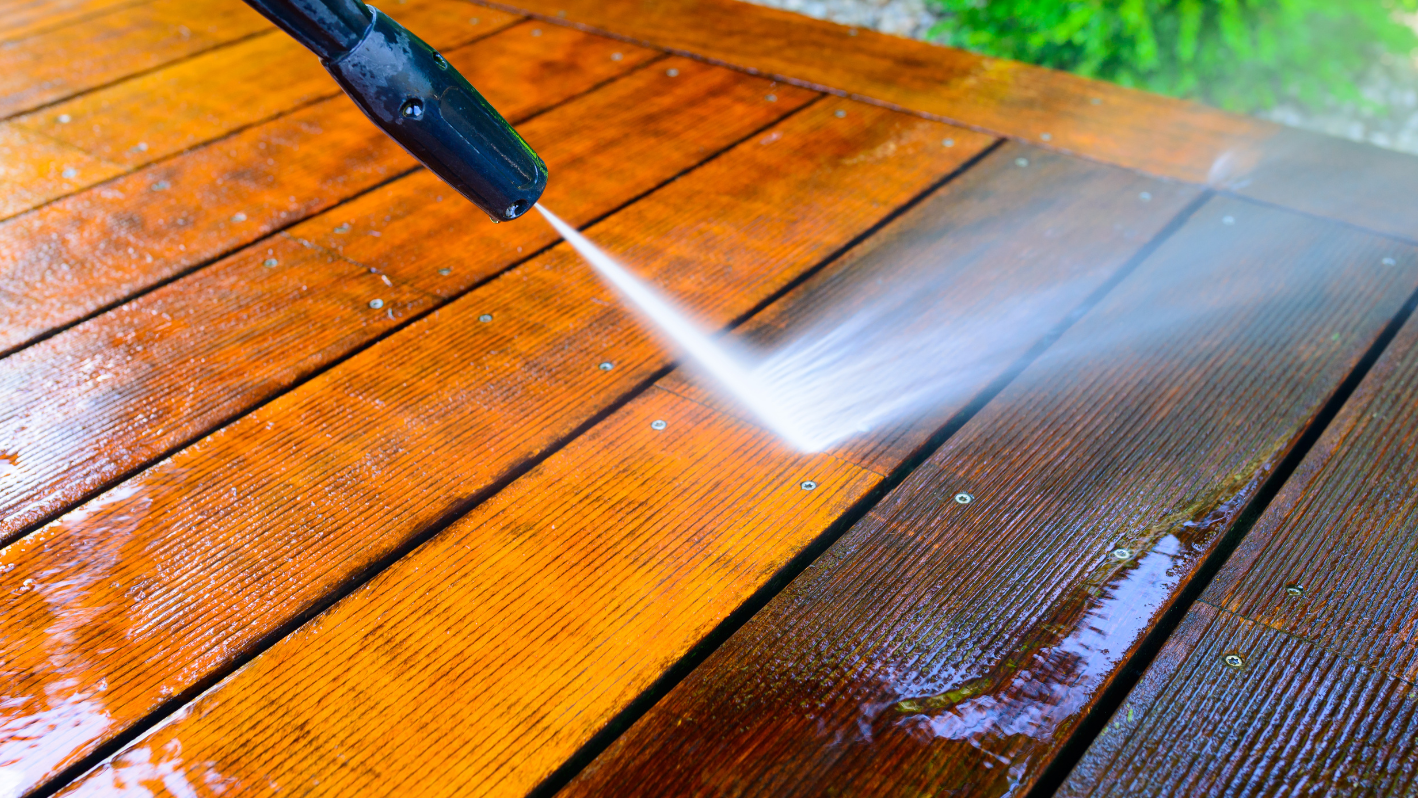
[[1239, 54]]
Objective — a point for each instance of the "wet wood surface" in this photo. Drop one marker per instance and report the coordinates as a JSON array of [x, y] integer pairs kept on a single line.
[[1316, 607], [314, 480], [548, 609]]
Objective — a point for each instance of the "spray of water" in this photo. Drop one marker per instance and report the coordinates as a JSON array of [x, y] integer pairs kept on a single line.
[[831, 380]]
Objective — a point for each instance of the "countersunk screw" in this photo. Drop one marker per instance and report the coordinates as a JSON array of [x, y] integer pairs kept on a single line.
[[536, 31], [1228, 220], [658, 425], [809, 485], [1046, 137], [1145, 196], [269, 262], [949, 142], [840, 114], [161, 185], [238, 217], [772, 98], [70, 173], [1021, 162], [65, 119], [674, 73], [376, 303], [1233, 660], [1295, 589], [963, 498], [616, 56], [607, 366], [1389, 261], [485, 318], [1121, 553], [445, 272]]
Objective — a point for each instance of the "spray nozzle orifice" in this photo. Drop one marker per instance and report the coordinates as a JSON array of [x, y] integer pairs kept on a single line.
[[413, 94]]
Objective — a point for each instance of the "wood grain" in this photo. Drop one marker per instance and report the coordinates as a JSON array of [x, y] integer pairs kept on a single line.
[[948, 647], [152, 116], [1319, 601], [483, 660], [1297, 718], [50, 66], [22, 18], [1139, 130], [207, 552], [88, 251]]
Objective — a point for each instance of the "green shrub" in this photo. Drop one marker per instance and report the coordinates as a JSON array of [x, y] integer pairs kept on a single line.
[[1239, 54]]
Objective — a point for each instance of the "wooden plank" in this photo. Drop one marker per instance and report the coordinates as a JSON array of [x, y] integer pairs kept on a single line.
[[88, 251], [1098, 120], [207, 347], [51, 66], [1318, 601], [156, 115], [20, 19], [233, 538], [942, 647], [520, 631]]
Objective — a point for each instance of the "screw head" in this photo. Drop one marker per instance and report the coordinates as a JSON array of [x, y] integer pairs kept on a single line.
[[1021, 162], [1121, 553], [1145, 196], [64, 119], [1228, 220], [1295, 589], [1233, 660], [536, 31], [963, 498], [445, 272], [1046, 137], [948, 143], [161, 185], [772, 98], [70, 173], [1389, 261], [376, 303], [412, 108], [616, 56], [607, 366], [840, 114], [809, 485], [238, 217], [485, 318], [269, 262], [658, 424], [674, 73]]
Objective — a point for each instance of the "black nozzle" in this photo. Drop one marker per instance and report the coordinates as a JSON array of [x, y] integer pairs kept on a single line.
[[419, 99]]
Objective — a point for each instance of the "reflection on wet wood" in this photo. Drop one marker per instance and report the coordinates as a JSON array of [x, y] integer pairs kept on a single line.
[[490, 655], [1317, 603], [243, 532], [30, 17], [949, 644]]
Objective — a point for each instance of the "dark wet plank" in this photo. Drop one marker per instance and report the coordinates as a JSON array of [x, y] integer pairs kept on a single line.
[[41, 69], [1359, 184], [171, 576], [490, 655], [1319, 602], [948, 647]]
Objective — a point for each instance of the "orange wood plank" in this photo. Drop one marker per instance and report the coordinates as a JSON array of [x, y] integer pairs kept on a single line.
[[85, 252], [951, 648], [1318, 602], [21, 18], [1317, 174], [507, 641], [50, 66], [152, 116], [230, 539]]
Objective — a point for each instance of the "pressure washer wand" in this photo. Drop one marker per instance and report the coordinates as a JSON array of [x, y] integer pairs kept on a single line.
[[419, 99]]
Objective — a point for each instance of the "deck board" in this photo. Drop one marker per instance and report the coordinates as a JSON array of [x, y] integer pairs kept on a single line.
[[23, 18], [557, 602], [43, 68], [953, 647], [1344, 531], [235, 537]]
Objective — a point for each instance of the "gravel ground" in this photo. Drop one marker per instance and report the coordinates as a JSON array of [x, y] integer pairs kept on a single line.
[[1394, 81]]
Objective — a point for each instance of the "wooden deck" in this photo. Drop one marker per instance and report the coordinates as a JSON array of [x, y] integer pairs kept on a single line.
[[311, 481]]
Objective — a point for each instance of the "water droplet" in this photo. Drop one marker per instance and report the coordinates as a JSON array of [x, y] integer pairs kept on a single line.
[[376, 303], [440, 60], [1389, 261], [342, 229], [161, 185], [70, 173], [1145, 196], [1228, 220], [658, 425], [64, 119], [141, 146]]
